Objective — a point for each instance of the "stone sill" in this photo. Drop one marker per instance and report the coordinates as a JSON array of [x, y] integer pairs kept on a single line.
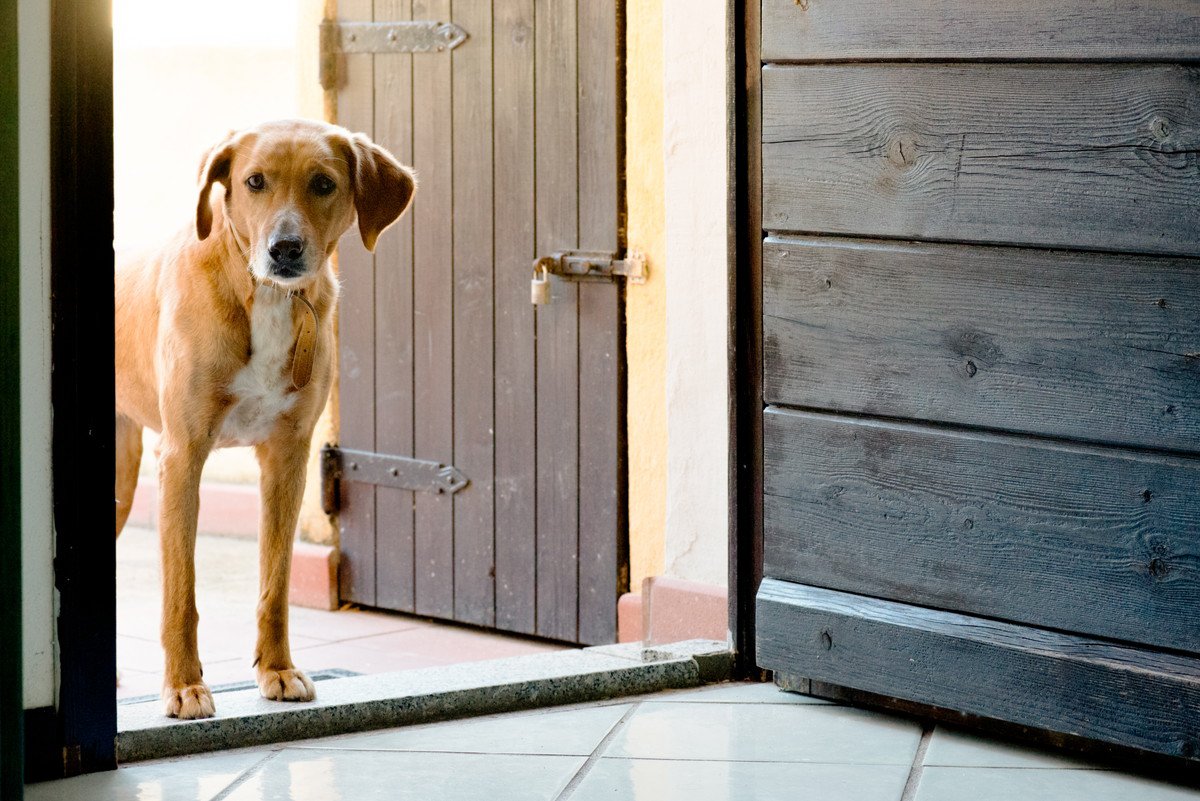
[[385, 700]]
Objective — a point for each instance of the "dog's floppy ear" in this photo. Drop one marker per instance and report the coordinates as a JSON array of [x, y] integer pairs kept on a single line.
[[383, 187], [214, 167]]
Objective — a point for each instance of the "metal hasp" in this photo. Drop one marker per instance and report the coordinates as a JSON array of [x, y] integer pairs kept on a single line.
[[419, 36], [581, 265], [385, 470]]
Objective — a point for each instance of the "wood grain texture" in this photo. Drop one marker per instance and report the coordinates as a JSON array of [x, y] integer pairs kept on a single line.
[[1024, 675], [1090, 540], [557, 192], [474, 368], [394, 331], [601, 469], [356, 344], [515, 388], [601, 311], [433, 318], [1147, 30], [1075, 345], [1100, 157]]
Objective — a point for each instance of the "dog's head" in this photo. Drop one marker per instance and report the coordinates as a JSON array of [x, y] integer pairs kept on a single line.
[[293, 187]]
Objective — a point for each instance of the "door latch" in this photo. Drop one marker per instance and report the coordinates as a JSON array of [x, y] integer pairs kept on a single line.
[[582, 265]]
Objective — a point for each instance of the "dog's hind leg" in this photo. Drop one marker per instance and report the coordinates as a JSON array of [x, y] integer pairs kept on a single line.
[[129, 461]]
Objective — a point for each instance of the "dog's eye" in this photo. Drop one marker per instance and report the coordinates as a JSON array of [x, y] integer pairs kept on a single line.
[[322, 185], [256, 182]]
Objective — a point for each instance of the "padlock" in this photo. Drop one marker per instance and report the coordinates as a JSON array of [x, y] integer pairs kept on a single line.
[[539, 288]]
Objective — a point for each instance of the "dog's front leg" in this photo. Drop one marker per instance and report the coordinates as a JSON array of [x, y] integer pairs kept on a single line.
[[185, 695], [282, 460]]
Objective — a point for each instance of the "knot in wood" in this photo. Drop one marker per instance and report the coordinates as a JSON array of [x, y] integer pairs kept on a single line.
[[1160, 129], [902, 152]]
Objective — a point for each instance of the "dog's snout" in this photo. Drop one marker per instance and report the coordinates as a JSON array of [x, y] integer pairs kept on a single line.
[[286, 248]]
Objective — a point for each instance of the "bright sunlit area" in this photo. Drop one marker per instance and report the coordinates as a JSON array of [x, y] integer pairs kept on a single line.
[[185, 75]]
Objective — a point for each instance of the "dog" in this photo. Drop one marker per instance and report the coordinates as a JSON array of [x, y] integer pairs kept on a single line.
[[224, 337]]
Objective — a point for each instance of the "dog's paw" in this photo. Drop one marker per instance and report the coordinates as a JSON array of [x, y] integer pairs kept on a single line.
[[285, 685], [188, 702]]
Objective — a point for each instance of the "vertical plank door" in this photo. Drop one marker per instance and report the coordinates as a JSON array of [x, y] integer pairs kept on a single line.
[[514, 135]]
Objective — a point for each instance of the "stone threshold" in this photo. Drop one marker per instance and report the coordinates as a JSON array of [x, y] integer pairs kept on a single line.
[[385, 700]]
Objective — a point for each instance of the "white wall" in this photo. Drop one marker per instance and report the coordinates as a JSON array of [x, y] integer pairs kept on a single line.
[[184, 75], [695, 134], [37, 530]]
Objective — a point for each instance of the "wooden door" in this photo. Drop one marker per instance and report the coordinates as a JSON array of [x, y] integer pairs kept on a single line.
[[514, 137], [981, 339]]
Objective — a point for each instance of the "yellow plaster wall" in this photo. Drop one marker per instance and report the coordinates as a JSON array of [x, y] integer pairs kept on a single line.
[[645, 304]]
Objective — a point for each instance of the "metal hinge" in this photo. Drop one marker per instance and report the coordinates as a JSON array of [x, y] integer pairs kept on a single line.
[[420, 36], [582, 265], [384, 470]]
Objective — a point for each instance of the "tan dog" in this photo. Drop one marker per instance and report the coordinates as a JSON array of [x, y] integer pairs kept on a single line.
[[224, 337]]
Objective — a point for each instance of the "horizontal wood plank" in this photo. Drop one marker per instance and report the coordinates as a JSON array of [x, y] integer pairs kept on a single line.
[[1089, 540], [1079, 345], [1148, 30], [1023, 675], [1102, 157]]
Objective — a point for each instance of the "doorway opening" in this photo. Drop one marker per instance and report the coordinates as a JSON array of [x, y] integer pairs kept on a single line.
[[183, 78]]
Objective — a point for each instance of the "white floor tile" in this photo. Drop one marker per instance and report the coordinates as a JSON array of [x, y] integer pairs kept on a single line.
[[654, 780], [198, 778], [310, 775], [568, 733], [1040, 784], [740, 693], [765, 732], [958, 749]]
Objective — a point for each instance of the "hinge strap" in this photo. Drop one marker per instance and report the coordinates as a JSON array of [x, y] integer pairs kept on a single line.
[[418, 36], [384, 470]]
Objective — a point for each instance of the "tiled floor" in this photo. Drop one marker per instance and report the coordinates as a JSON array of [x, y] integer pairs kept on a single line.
[[729, 742], [227, 593]]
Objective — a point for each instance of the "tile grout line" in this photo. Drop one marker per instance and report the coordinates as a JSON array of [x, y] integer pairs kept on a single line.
[[594, 757], [918, 765], [246, 775]]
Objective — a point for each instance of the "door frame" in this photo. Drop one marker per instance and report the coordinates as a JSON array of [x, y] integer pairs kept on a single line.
[[11, 690], [83, 727], [79, 734], [745, 332]]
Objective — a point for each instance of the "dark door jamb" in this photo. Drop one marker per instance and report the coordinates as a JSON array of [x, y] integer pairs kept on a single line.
[[11, 700], [82, 735], [745, 336]]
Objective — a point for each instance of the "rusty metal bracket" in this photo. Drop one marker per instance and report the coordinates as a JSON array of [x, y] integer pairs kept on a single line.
[[419, 36], [384, 470], [579, 265]]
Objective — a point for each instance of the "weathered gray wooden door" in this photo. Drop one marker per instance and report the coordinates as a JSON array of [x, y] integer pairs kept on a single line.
[[514, 137], [981, 339]]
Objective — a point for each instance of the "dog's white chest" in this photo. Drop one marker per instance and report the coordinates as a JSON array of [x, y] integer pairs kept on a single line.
[[262, 390]]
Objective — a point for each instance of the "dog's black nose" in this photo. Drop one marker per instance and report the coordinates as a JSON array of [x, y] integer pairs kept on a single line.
[[286, 248]]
